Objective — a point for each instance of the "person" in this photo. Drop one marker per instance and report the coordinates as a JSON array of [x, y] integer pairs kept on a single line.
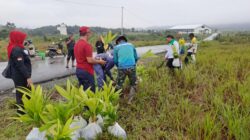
[[30, 47], [70, 43], [84, 58], [20, 63], [182, 45], [172, 54], [192, 49], [99, 46], [125, 58], [103, 71]]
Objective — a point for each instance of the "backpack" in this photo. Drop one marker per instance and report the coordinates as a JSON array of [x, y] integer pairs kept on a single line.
[[7, 71]]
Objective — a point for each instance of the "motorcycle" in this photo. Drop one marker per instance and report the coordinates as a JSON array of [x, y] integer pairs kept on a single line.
[[30, 47], [55, 49]]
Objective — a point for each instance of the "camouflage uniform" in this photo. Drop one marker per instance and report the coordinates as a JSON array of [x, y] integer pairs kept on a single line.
[[123, 73]]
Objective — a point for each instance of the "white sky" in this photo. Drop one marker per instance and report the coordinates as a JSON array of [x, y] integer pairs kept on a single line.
[[137, 13]]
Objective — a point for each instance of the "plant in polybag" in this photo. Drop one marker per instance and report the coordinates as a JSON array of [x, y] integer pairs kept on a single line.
[[76, 97], [36, 134], [110, 106], [34, 102], [110, 120], [96, 105], [56, 118], [110, 115], [61, 131], [93, 129], [117, 131], [61, 111], [110, 99], [109, 94], [80, 124]]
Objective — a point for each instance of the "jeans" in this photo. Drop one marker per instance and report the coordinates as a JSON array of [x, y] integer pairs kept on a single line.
[[122, 74], [85, 79], [101, 75]]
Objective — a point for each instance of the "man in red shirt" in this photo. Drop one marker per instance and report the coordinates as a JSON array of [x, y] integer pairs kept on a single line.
[[85, 61]]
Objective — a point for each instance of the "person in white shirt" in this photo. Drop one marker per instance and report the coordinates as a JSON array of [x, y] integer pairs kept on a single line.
[[173, 53]]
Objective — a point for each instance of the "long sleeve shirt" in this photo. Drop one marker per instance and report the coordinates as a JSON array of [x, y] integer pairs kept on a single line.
[[170, 50], [20, 63], [125, 56]]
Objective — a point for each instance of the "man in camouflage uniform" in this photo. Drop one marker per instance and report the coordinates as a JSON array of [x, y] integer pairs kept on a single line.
[[125, 58]]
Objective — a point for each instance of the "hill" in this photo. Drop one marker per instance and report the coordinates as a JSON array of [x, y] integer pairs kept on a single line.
[[232, 27]]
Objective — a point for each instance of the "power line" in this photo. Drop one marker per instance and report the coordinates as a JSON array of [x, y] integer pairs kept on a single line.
[[89, 4], [138, 17]]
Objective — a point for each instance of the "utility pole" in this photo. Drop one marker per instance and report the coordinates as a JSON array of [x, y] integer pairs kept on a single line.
[[122, 31]]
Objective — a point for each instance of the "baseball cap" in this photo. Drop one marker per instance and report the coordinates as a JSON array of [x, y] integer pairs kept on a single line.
[[84, 29]]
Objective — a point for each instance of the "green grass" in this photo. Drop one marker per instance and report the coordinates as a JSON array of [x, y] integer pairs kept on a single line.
[[208, 100]]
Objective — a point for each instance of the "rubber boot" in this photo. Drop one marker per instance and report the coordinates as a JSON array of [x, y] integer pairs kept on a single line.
[[131, 95]]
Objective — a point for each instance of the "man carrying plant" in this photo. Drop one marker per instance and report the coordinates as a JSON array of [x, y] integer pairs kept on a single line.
[[172, 55], [125, 58], [192, 49], [85, 61]]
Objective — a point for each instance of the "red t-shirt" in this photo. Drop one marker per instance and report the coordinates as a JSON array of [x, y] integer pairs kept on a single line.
[[82, 50]]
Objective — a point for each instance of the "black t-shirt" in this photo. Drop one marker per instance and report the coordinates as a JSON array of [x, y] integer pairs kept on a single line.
[[71, 44]]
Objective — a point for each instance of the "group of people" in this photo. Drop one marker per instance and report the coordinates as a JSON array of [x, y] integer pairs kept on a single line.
[[176, 49], [123, 55]]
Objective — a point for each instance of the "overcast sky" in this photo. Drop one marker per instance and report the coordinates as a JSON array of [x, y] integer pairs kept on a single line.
[[137, 13]]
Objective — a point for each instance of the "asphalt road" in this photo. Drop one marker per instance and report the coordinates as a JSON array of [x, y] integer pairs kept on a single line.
[[211, 37], [49, 69]]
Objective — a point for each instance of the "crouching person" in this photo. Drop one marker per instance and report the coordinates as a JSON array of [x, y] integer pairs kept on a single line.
[[102, 71], [125, 58]]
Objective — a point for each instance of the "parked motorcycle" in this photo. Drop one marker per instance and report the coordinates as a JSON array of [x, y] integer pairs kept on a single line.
[[55, 49], [30, 47]]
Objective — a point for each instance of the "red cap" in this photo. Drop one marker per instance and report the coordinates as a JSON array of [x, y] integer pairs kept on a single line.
[[84, 29]]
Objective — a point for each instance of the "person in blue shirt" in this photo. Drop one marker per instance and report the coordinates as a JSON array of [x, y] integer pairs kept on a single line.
[[125, 58]]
